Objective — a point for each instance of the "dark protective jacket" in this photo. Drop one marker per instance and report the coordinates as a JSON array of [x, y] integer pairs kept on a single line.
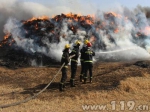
[[88, 55], [65, 57], [75, 52], [82, 53]]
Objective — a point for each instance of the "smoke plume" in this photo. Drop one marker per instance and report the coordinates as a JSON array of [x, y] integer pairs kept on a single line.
[[119, 34], [22, 10]]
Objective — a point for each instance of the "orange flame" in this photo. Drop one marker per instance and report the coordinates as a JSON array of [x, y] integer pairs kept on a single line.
[[73, 15], [6, 36], [77, 17], [72, 28], [36, 18], [114, 14], [89, 22], [146, 30], [116, 30], [36, 26]]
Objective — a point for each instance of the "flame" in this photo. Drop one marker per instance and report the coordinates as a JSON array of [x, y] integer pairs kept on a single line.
[[146, 30], [36, 18], [82, 19], [72, 28], [89, 22], [74, 22], [114, 14], [36, 26], [6, 36], [41, 18], [70, 15], [116, 30], [138, 34], [77, 17]]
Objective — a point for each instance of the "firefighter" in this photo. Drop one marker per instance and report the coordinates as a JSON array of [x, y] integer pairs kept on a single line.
[[74, 62], [88, 62], [81, 59], [64, 59]]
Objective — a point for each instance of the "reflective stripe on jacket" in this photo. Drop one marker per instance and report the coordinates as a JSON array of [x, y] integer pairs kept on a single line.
[[75, 52], [88, 55], [65, 57]]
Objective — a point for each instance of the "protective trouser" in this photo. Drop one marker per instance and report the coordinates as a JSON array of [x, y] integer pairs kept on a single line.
[[63, 78], [82, 71], [73, 73], [88, 67]]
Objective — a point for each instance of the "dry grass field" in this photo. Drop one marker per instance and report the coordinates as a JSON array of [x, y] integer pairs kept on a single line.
[[121, 82]]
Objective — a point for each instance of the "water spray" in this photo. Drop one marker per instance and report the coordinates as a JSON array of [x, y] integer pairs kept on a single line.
[[107, 52]]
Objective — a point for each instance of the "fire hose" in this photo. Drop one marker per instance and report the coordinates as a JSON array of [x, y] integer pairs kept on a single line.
[[32, 97]]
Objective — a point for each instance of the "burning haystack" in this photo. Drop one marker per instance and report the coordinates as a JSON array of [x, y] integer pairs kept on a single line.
[[40, 40], [33, 42]]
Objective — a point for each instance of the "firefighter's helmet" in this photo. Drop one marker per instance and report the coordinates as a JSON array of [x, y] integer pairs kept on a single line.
[[89, 44], [86, 41], [67, 46], [77, 42]]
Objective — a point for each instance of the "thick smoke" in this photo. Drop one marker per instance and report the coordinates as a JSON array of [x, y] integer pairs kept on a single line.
[[121, 34], [22, 10], [11, 9], [132, 38]]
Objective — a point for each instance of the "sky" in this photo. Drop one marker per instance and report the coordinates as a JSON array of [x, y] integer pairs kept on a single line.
[[87, 6], [98, 3]]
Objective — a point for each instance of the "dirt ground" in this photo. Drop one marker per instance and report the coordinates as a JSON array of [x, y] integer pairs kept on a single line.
[[119, 82]]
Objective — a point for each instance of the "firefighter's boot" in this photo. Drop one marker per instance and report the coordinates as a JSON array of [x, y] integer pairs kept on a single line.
[[64, 85], [72, 83], [84, 81], [61, 88], [81, 77], [90, 80]]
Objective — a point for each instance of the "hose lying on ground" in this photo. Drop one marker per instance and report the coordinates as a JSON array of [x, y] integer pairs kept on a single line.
[[35, 95]]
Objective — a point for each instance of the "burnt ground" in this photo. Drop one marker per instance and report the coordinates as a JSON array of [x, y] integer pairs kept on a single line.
[[106, 76], [19, 81], [111, 81]]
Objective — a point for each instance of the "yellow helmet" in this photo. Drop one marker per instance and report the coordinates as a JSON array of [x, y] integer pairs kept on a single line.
[[86, 41], [67, 46], [78, 42]]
